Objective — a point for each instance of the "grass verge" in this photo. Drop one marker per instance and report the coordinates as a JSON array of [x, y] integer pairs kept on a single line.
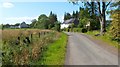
[[106, 38], [55, 52]]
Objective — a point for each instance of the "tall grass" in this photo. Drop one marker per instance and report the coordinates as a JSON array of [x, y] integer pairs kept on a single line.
[[24, 53], [55, 52], [106, 38]]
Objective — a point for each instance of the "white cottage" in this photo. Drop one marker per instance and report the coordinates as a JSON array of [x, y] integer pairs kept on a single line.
[[63, 25], [68, 22]]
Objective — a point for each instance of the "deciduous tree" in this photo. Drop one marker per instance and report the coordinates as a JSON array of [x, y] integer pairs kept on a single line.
[[115, 25], [52, 19]]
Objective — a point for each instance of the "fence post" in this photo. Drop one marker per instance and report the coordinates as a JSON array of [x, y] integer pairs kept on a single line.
[[39, 34], [28, 40], [44, 33], [18, 40], [31, 36]]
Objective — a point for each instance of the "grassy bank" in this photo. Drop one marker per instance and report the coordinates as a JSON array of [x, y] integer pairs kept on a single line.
[[23, 47], [55, 52], [106, 38]]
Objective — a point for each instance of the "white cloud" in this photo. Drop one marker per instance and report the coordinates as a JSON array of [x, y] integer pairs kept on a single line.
[[21, 18], [7, 5], [13, 20]]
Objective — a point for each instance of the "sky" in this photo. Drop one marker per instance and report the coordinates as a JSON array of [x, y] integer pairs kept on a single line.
[[17, 12]]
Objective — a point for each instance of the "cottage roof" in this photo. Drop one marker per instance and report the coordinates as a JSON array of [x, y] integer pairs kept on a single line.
[[72, 20], [69, 21], [23, 23]]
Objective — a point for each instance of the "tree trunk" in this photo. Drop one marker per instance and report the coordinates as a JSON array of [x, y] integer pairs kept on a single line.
[[102, 18], [102, 26]]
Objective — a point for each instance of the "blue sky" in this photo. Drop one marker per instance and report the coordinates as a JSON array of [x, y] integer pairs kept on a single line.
[[16, 12]]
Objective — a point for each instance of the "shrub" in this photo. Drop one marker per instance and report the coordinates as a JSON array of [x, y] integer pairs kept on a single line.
[[77, 29], [24, 53], [84, 30], [115, 26]]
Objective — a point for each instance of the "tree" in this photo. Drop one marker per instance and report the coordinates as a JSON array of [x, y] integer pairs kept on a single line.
[[52, 19], [84, 17], [43, 22], [94, 24], [17, 24], [73, 14], [92, 6], [101, 11], [67, 16], [115, 25], [57, 26], [32, 25], [77, 15], [102, 16], [6, 26]]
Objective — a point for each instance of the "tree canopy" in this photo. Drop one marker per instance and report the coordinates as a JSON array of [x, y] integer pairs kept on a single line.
[[115, 25], [45, 22], [101, 10], [67, 16]]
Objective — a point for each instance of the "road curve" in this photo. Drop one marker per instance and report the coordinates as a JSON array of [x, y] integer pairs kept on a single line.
[[83, 51]]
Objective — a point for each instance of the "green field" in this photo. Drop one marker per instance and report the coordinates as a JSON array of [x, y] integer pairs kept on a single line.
[[106, 38]]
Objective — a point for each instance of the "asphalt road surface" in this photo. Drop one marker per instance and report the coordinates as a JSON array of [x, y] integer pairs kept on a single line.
[[83, 51]]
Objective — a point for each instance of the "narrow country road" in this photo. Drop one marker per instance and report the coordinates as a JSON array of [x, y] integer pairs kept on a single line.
[[83, 51]]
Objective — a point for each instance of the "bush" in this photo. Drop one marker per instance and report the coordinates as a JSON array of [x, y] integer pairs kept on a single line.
[[66, 29], [57, 27], [77, 29], [84, 30], [24, 53], [114, 27]]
